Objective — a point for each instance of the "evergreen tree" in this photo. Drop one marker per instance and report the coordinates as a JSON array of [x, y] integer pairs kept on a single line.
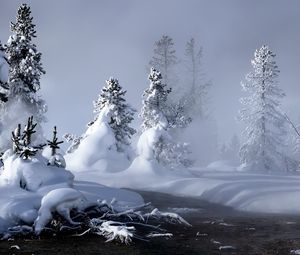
[[22, 143], [25, 64], [157, 114], [156, 110], [120, 112], [265, 124], [155, 102], [165, 59], [197, 94]]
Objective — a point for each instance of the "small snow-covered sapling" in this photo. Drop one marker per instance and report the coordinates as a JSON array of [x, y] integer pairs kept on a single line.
[[29, 131], [54, 143], [22, 144]]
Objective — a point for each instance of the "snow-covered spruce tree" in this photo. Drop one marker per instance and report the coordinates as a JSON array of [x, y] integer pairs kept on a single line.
[[120, 114], [22, 143], [55, 159], [25, 70], [157, 114], [165, 59], [155, 108], [105, 145], [265, 124], [197, 95]]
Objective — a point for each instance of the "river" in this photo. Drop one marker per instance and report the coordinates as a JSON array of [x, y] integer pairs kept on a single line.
[[216, 230]]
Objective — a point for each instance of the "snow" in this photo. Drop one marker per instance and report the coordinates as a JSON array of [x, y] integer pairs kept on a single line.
[[59, 200], [226, 247], [296, 252], [221, 165], [32, 173], [251, 192], [98, 138], [31, 190]]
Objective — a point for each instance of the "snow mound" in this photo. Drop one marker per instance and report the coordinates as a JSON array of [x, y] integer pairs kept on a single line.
[[31, 191], [221, 166], [61, 201], [97, 149], [33, 174]]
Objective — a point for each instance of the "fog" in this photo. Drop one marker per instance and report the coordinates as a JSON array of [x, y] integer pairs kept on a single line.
[[85, 42]]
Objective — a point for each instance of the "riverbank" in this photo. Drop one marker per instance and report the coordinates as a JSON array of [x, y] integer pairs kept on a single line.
[[216, 230]]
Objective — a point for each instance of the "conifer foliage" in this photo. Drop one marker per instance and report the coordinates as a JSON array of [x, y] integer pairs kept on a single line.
[[197, 94], [22, 142], [157, 114], [265, 123], [165, 59], [155, 108], [120, 113], [54, 143], [25, 63]]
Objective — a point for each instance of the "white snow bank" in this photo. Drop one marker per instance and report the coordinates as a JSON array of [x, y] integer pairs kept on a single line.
[[32, 174], [222, 166], [31, 191], [61, 201], [97, 149], [243, 191]]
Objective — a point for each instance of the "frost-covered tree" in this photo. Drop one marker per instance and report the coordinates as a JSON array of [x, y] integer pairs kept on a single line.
[[165, 59], [25, 70], [121, 114], [22, 143], [157, 114], [25, 64], [155, 108], [197, 93], [74, 141], [265, 124]]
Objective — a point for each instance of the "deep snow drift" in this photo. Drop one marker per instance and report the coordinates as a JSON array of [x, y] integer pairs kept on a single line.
[[31, 191], [97, 149]]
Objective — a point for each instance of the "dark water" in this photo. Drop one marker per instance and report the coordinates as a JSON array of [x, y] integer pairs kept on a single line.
[[216, 230]]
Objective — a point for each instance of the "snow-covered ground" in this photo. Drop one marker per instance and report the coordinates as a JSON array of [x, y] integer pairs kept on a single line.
[[31, 190], [219, 182], [242, 191]]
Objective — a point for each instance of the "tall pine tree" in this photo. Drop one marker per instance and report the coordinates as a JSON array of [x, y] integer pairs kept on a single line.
[[120, 112], [265, 124], [157, 114], [25, 70], [165, 59], [25, 64], [197, 95], [155, 108]]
